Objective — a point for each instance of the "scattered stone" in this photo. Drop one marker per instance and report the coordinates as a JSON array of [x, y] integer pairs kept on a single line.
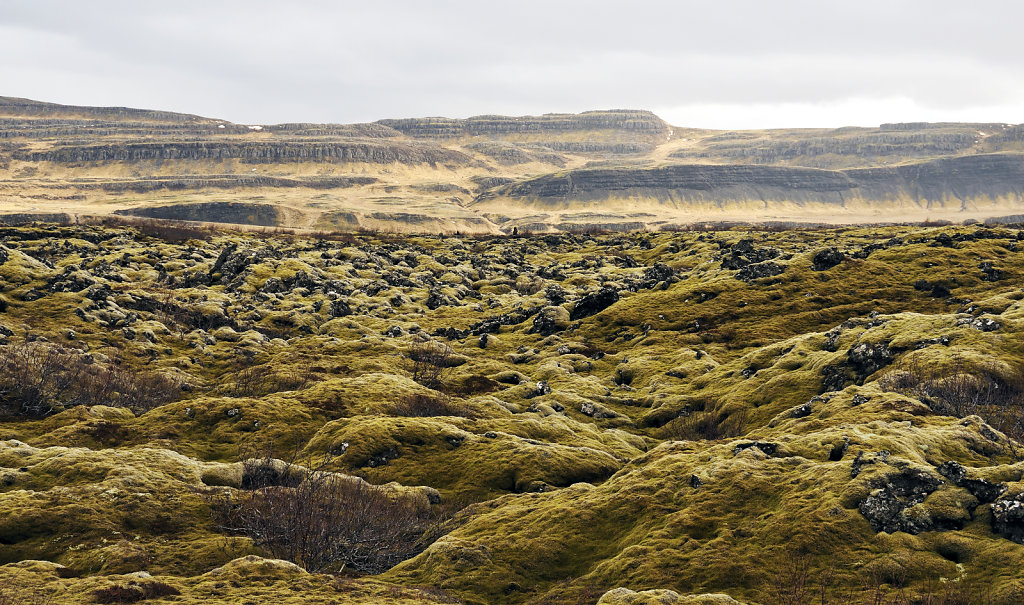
[[989, 272], [382, 458], [765, 446], [801, 411], [596, 410]]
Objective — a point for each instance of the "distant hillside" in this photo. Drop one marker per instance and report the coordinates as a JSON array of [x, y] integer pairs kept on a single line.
[[617, 169], [964, 179]]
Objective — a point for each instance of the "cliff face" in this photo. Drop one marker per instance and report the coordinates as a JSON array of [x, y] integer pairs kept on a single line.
[[529, 172], [964, 178], [255, 152], [629, 121], [264, 215]]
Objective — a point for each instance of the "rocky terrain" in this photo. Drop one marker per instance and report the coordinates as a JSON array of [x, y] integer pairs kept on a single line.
[[700, 416], [616, 170]]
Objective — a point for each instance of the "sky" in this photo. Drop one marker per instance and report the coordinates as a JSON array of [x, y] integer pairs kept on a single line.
[[726, 64]]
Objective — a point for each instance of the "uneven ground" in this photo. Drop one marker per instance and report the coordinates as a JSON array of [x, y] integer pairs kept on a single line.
[[615, 170], [752, 416]]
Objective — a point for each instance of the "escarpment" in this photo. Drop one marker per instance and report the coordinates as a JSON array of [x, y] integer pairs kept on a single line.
[[618, 169], [964, 179], [249, 152], [635, 122]]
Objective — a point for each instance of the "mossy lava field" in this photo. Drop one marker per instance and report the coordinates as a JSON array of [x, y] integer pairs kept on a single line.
[[194, 415]]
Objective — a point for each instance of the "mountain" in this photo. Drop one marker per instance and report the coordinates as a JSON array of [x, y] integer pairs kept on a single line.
[[612, 169]]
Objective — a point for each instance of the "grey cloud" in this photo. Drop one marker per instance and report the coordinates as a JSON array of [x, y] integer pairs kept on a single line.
[[262, 61]]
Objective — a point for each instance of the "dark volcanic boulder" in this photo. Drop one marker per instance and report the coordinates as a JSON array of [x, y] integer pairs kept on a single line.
[[744, 253], [867, 358], [984, 491], [759, 271], [340, 308], [549, 321], [895, 493], [591, 304], [1008, 518], [826, 259], [989, 272]]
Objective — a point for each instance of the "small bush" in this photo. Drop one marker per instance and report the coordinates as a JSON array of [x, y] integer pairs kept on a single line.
[[38, 379], [256, 380], [133, 592], [956, 389], [430, 363], [323, 521], [704, 426], [419, 405]]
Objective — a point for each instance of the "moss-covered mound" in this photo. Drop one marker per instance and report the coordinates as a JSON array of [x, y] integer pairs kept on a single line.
[[699, 417]]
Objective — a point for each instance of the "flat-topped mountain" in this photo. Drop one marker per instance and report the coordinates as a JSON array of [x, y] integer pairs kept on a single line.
[[610, 169]]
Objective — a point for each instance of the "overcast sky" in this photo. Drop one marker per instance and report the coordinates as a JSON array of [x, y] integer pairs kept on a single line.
[[712, 63]]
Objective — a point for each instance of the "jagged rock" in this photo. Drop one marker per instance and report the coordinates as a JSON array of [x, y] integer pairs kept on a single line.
[[658, 272], [984, 491], [801, 411], [989, 272], [382, 458], [492, 325], [861, 461], [866, 358], [596, 410], [555, 294], [982, 324], [826, 259], [550, 320], [436, 299], [1008, 518], [99, 292], [895, 493], [394, 332], [743, 253], [839, 450], [273, 285], [759, 271], [4, 255], [340, 308], [222, 258], [450, 333], [834, 378], [765, 446], [71, 281], [593, 304]]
